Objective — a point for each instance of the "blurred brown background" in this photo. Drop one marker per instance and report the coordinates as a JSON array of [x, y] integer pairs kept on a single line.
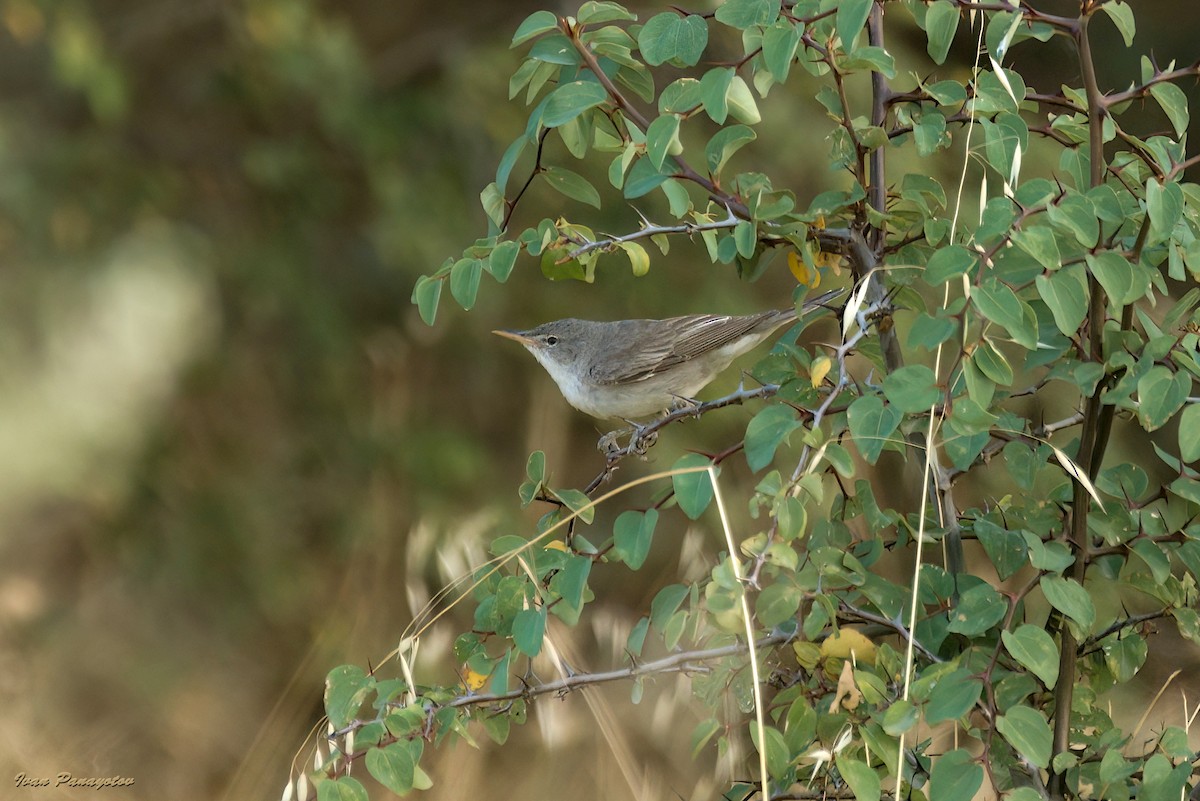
[[231, 456]]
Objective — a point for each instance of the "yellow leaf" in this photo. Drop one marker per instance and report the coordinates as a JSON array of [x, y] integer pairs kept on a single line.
[[799, 268], [473, 680], [845, 642], [819, 369], [556, 545]]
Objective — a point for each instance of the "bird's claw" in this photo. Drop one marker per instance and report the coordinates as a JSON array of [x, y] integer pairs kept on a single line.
[[641, 439]]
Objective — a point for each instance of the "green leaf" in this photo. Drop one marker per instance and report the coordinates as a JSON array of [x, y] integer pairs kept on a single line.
[[1155, 558], [572, 185], [535, 24], [743, 14], [576, 501], [570, 100], [394, 766], [745, 238], [678, 199], [694, 490], [670, 37], [637, 636], [851, 17], [643, 179], [665, 603], [705, 730], [1189, 433], [571, 581], [953, 696], [1174, 104], [1124, 656], [535, 467], [1003, 139], [1164, 204], [947, 93], [593, 13], [511, 154], [680, 96], [425, 295], [346, 688], [724, 144], [1035, 650], [1038, 241], [1005, 548], [1161, 393], [491, 199], [955, 776], [1122, 17], [928, 332], [900, 717], [528, 630], [741, 103], [775, 748], [991, 363], [776, 603], [714, 93], [871, 425], [1065, 292], [941, 23], [929, 132], [1069, 597], [464, 281], [661, 137], [948, 262], [1000, 304], [1076, 214], [875, 59], [912, 388], [554, 49], [633, 532], [1027, 731], [346, 788], [862, 780], [1115, 274], [639, 259], [779, 44], [977, 610], [765, 432], [501, 260]]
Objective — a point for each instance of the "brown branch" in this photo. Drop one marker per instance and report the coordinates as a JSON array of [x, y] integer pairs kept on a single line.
[[1091, 447], [1135, 92]]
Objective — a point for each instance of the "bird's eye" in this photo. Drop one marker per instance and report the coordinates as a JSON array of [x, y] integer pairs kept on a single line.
[[552, 340]]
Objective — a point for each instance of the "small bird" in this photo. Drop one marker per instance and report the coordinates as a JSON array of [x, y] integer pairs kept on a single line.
[[632, 369]]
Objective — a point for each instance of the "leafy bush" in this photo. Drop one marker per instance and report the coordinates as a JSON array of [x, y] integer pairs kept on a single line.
[[1003, 348]]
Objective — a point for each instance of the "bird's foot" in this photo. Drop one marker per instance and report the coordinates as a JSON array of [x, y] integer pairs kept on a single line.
[[608, 443], [641, 439], [682, 404]]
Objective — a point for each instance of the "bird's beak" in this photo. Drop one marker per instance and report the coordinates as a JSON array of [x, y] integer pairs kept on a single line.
[[516, 336]]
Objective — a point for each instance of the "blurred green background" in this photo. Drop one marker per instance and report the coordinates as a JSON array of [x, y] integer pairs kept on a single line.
[[231, 455]]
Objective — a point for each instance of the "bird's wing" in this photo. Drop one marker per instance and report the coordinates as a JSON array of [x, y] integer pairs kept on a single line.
[[692, 336]]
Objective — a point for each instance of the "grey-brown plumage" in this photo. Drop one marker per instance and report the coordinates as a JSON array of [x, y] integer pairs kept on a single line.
[[636, 368]]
